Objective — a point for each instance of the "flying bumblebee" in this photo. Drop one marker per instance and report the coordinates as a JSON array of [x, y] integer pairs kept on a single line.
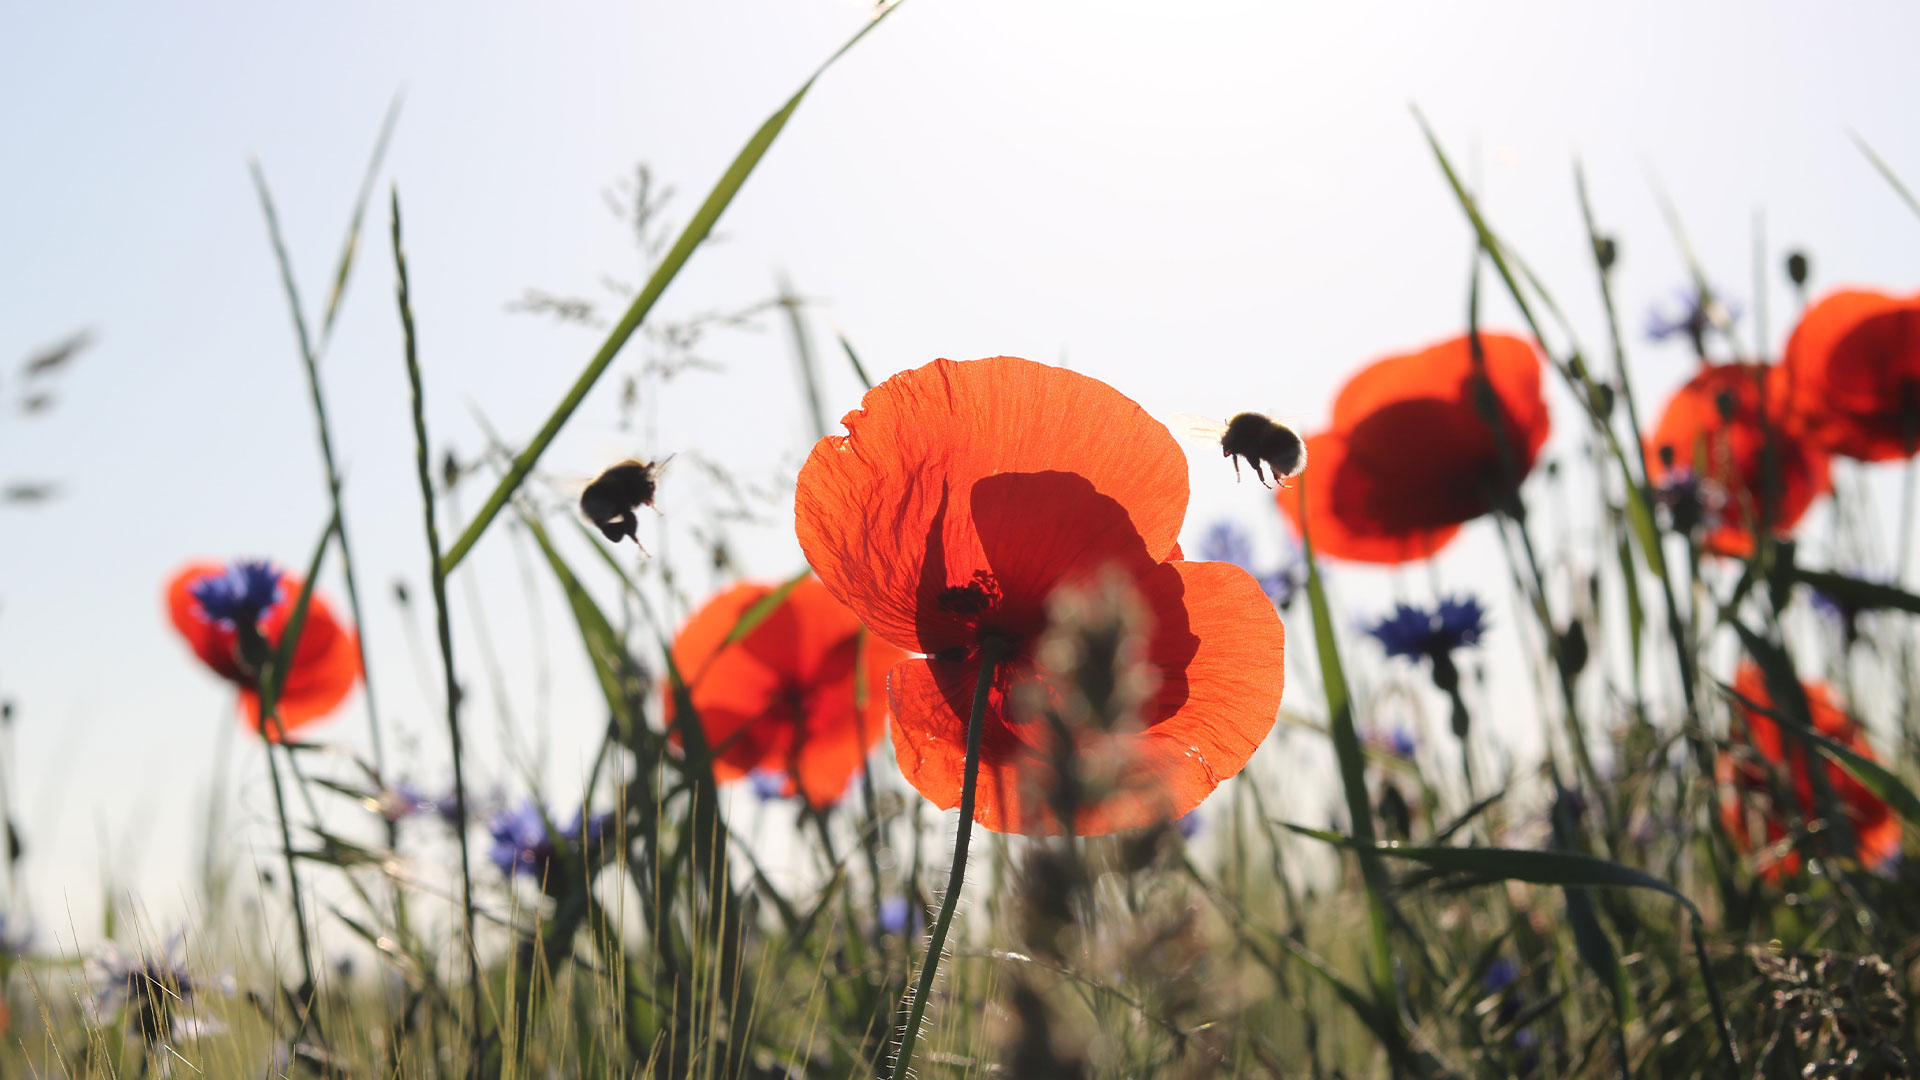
[[612, 500], [1261, 440]]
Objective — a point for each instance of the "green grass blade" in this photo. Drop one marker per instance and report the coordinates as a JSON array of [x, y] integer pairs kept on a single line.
[[1871, 774], [296, 624], [1860, 595], [1346, 748], [690, 238], [854, 359], [1886, 171], [351, 245], [763, 608], [1561, 868], [596, 632]]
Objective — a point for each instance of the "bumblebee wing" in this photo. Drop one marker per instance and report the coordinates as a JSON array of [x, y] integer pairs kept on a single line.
[[1198, 428]]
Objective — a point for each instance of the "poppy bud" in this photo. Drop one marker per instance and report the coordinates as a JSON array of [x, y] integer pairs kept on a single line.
[[1573, 649], [1603, 397], [1605, 251], [401, 595], [450, 471], [1049, 881], [1797, 268], [6, 712], [1445, 675], [1396, 817]]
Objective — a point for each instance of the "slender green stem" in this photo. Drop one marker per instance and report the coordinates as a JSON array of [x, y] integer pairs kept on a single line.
[[308, 984], [957, 877], [310, 361], [450, 689]]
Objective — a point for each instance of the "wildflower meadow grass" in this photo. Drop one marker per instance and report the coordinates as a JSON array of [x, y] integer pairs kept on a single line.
[[1000, 780]]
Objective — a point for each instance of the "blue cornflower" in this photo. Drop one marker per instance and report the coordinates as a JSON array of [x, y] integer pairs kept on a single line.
[[155, 989], [1414, 632], [897, 915], [1500, 975], [1698, 314], [1190, 824], [1227, 542], [522, 843], [237, 597], [1399, 742], [768, 785]]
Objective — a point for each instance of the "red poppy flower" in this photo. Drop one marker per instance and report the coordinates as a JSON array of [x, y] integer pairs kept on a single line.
[[962, 497], [209, 603], [1746, 783], [1711, 429], [782, 697], [1410, 456], [1850, 379]]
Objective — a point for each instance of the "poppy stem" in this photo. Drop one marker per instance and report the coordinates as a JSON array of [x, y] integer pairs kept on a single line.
[[916, 1004]]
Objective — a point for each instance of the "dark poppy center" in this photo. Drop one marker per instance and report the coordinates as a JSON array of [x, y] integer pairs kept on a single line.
[[972, 600]]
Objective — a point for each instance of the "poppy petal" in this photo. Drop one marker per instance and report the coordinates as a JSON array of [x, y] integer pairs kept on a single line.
[[1329, 504], [1218, 646], [1850, 375], [1712, 427], [782, 698], [212, 643], [886, 514]]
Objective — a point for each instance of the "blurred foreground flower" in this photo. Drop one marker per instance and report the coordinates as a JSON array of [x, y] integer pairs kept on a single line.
[[1750, 772], [233, 616], [962, 497], [1713, 428], [155, 991], [525, 836], [1698, 313], [1412, 453], [1850, 378], [803, 696]]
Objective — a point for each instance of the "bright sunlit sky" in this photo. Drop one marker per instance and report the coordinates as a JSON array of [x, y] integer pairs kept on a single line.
[[1211, 205]]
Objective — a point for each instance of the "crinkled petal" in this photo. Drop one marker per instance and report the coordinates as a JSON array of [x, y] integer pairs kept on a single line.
[[893, 514]]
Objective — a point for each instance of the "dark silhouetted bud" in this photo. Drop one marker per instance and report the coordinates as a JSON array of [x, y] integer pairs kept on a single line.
[[1396, 817], [1573, 649], [1605, 251], [1797, 267]]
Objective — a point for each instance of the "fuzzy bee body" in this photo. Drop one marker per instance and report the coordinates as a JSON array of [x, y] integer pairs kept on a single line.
[[1267, 444], [612, 500]]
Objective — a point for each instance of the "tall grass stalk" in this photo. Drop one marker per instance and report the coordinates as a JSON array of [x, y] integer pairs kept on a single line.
[[450, 686]]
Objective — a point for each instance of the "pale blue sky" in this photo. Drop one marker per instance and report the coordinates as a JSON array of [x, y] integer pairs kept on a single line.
[[1211, 205]]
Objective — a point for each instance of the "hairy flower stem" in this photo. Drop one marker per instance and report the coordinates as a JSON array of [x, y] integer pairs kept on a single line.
[[916, 1007]]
